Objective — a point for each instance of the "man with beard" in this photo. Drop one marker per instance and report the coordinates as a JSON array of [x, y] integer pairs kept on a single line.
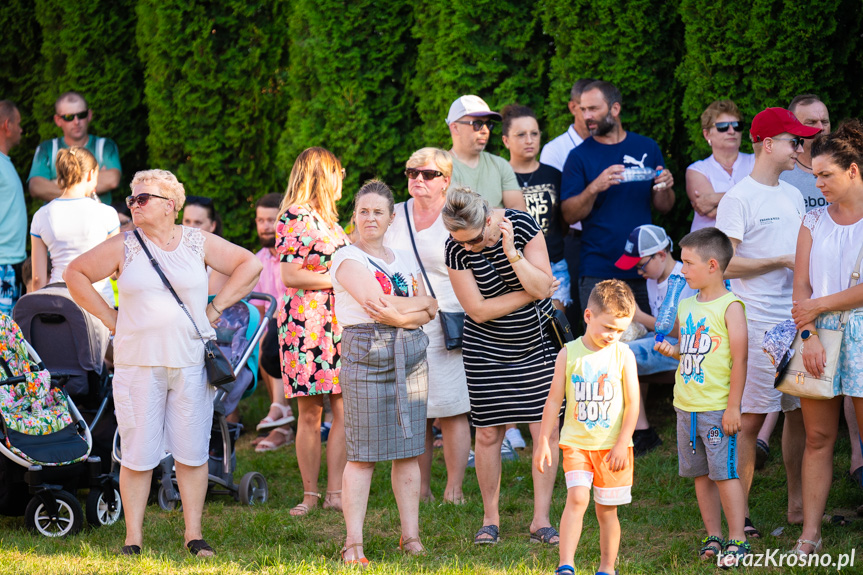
[[276, 431], [608, 185], [471, 122]]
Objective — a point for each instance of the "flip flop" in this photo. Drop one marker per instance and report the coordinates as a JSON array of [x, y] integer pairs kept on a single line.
[[269, 422], [270, 445], [545, 535]]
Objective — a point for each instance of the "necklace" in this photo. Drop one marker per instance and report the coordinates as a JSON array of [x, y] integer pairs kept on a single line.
[[525, 183], [173, 233]]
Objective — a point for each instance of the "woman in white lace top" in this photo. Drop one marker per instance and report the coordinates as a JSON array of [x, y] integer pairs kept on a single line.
[[826, 283], [161, 395]]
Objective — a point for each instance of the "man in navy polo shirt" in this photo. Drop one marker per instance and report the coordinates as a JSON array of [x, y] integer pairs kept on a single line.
[[608, 186]]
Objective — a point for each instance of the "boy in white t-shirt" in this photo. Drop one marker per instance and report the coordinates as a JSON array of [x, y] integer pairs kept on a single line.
[[648, 249]]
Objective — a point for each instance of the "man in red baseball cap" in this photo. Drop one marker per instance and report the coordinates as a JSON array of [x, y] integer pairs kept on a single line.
[[761, 215]]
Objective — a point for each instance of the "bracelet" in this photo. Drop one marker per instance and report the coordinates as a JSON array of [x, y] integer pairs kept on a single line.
[[218, 311]]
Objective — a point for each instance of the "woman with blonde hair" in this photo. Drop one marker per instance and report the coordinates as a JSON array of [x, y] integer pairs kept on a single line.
[[418, 223], [68, 226], [499, 267], [161, 395], [307, 235]]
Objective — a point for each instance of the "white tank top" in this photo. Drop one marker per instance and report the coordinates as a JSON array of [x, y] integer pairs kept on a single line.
[[152, 329]]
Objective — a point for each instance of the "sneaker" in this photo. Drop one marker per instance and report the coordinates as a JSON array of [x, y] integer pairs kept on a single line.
[[515, 439], [507, 453], [644, 441], [325, 431], [470, 460]]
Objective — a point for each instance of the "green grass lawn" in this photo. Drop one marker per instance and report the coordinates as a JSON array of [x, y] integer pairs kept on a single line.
[[661, 528]]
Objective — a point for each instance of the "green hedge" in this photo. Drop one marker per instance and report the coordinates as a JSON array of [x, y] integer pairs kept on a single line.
[[227, 93], [215, 91]]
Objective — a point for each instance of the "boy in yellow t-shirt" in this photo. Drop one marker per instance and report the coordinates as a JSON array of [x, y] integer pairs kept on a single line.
[[712, 350], [598, 376]]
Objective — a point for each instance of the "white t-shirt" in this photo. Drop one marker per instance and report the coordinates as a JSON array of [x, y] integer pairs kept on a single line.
[[720, 179], [834, 252], [766, 220], [430, 245], [656, 291], [404, 271], [70, 227], [555, 152]]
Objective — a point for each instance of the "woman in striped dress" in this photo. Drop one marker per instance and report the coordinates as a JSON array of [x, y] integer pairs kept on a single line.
[[499, 268]]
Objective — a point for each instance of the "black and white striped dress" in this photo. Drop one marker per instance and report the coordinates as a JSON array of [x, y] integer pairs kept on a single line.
[[509, 361]]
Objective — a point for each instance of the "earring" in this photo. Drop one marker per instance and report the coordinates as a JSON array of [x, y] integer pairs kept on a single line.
[[709, 143]]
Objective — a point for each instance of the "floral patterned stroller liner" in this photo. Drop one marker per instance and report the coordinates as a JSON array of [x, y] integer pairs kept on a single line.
[[30, 407]]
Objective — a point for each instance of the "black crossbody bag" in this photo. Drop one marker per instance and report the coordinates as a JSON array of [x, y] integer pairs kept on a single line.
[[452, 322], [219, 369]]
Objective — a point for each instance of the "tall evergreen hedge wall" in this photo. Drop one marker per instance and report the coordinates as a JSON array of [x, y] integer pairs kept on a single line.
[[226, 93]]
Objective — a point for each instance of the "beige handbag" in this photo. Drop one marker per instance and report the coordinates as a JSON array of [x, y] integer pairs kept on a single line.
[[795, 380]]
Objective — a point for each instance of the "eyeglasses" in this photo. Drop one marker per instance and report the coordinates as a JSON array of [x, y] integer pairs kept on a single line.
[[142, 199], [796, 141], [473, 242], [414, 173], [644, 265], [722, 127], [71, 117], [478, 124]]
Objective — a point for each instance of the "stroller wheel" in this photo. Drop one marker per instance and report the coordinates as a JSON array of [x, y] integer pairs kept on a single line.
[[99, 511], [166, 502], [253, 488], [69, 520]]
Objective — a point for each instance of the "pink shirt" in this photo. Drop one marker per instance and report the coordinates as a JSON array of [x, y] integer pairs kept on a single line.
[[270, 281]]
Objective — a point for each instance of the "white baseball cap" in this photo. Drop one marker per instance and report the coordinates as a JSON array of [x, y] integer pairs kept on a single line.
[[469, 106]]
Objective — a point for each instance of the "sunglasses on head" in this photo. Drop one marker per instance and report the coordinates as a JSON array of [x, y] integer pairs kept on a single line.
[[142, 199], [414, 173], [478, 124], [722, 127], [71, 117]]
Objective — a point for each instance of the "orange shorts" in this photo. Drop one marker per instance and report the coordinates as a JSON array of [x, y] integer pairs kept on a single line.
[[585, 467]]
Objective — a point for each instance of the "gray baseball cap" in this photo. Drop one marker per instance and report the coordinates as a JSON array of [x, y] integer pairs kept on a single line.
[[644, 240], [469, 106]]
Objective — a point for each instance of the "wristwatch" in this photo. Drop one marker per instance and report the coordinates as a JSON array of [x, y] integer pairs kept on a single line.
[[518, 256], [806, 335]]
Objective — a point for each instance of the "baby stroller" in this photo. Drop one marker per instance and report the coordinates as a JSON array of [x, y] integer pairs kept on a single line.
[[45, 446], [71, 341], [238, 332]]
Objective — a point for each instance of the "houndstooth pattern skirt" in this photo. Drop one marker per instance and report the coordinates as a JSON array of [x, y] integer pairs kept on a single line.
[[384, 379]]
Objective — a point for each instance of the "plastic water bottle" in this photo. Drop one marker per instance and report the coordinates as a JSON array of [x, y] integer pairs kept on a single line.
[[668, 311], [637, 174], [8, 289]]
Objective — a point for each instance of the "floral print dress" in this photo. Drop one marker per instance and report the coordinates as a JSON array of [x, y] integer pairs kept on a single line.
[[309, 335]]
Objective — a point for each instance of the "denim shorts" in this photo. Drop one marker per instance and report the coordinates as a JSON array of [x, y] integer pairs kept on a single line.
[[564, 291]]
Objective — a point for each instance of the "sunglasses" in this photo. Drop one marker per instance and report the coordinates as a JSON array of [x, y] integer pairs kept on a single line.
[[473, 242], [722, 127], [796, 141], [478, 124], [71, 117], [142, 199], [414, 173]]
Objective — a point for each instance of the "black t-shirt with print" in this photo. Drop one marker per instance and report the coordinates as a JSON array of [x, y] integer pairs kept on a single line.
[[542, 196]]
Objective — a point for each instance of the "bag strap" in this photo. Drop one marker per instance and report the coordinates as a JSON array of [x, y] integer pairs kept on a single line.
[[855, 275], [168, 285], [416, 253]]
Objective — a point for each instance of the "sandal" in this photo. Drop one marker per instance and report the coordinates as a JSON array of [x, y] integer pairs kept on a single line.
[[328, 503], [750, 530], [565, 570], [269, 422], [197, 545], [762, 453], [733, 558], [545, 535], [301, 508], [403, 543], [856, 477], [361, 561], [268, 444], [492, 530], [816, 547], [711, 544], [131, 550]]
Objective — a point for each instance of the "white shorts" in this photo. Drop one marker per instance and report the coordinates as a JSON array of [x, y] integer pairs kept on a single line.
[[163, 409], [759, 395]]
